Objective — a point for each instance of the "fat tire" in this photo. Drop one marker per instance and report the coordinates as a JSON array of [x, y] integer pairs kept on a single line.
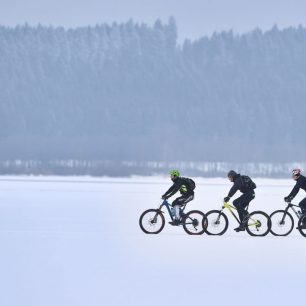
[[223, 215], [201, 222], [159, 214], [290, 217], [303, 217], [269, 224]]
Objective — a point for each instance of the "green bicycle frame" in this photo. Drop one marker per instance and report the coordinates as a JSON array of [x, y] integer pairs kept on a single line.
[[232, 209]]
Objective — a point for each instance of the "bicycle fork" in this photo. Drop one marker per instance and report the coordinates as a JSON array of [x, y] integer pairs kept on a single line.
[[217, 222], [154, 220], [285, 213]]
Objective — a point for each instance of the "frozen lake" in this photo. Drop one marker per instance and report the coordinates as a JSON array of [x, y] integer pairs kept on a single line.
[[76, 242]]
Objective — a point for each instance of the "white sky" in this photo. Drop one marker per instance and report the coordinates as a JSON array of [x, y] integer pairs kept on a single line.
[[195, 18]]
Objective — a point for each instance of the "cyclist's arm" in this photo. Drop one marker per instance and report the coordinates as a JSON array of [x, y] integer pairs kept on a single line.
[[294, 191], [232, 191], [172, 190]]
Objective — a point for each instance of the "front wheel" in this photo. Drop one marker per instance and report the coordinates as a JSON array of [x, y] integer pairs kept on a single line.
[[282, 223], [193, 222], [216, 223], [302, 225], [152, 221], [258, 224]]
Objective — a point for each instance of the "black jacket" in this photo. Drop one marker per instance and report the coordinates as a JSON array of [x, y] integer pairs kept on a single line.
[[300, 184], [179, 184], [240, 185]]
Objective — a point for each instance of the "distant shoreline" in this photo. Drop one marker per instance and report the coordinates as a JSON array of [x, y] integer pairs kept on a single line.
[[103, 168]]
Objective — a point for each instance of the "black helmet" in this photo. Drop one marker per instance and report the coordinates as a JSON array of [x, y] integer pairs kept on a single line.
[[232, 174]]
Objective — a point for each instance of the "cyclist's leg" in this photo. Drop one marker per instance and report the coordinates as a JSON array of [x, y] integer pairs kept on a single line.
[[302, 204], [177, 203], [242, 202], [188, 198], [176, 206], [239, 204]]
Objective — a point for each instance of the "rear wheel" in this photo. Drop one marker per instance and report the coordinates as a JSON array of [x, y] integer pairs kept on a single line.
[[302, 225], [152, 221], [193, 222], [216, 223], [282, 223], [258, 224]]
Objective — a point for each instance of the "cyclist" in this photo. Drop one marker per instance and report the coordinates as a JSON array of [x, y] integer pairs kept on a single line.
[[300, 184], [246, 186], [185, 186]]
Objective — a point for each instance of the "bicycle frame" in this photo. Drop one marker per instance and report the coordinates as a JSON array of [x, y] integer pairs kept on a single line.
[[290, 205], [168, 206], [231, 209]]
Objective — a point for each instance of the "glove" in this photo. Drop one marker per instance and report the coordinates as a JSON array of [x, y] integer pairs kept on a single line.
[[164, 197], [287, 199], [226, 199]]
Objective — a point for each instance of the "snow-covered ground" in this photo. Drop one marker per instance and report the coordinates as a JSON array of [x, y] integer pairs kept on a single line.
[[76, 242]]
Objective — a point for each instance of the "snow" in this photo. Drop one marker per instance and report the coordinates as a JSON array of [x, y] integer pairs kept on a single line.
[[76, 241]]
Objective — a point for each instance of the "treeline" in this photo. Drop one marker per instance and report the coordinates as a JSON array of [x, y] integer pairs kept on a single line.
[[130, 92], [128, 168]]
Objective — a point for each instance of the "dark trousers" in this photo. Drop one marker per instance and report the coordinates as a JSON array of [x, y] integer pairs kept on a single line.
[[182, 200], [302, 204], [242, 202]]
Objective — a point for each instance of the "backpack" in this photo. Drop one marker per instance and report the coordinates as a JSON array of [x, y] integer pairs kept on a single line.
[[191, 183], [247, 182]]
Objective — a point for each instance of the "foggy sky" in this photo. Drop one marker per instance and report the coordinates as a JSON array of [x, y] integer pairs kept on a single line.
[[195, 18]]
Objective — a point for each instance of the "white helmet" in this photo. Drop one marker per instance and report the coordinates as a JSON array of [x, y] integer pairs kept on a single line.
[[296, 172]]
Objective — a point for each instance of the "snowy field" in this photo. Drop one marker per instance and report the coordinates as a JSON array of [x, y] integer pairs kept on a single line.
[[76, 242]]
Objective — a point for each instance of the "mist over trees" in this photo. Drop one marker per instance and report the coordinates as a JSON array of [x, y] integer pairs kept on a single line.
[[130, 92]]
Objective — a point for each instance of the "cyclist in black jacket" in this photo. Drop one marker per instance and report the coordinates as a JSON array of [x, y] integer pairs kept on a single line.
[[186, 187], [246, 186], [300, 184]]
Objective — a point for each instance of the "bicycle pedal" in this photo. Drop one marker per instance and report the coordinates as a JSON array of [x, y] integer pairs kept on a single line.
[[175, 223], [239, 229]]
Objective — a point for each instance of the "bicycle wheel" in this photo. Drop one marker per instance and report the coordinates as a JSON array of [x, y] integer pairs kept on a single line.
[[193, 222], [302, 225], [282, 223], [216, 223], [258, 224], [152, 221]]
